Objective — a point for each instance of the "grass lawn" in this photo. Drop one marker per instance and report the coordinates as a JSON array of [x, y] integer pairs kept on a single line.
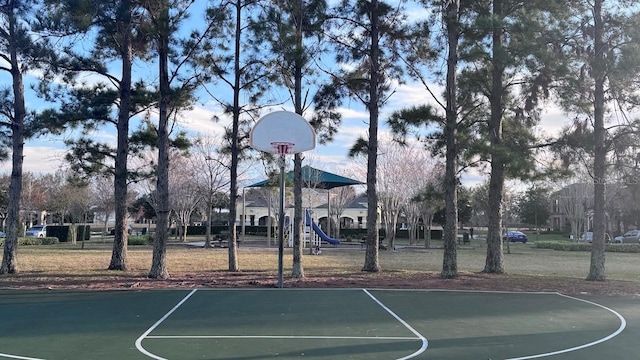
[[67, 265]]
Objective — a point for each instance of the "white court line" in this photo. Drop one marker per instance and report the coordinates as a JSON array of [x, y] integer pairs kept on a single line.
[[623, 322], [139, 340], [18, 357], [425, 343], [623, 325], [288, 337], [293, 337], [146, 335]]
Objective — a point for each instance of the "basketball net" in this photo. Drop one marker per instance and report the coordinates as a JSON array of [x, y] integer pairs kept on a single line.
[[283, 148]]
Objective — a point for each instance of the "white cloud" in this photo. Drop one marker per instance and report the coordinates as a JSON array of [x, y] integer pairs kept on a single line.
[[201, 119], [553, 119], [38, 159]]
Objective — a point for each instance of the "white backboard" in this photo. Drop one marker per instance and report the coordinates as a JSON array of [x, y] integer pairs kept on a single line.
[[282, 127]]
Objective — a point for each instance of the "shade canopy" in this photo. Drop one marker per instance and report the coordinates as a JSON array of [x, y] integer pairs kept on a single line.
[[316, 178]]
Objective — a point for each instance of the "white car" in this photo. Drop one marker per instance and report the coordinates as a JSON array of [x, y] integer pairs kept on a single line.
[[588, 237], [37, 231], [631, 237]]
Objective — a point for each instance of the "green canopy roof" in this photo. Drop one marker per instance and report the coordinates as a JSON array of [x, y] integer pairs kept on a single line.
[[315, 178]]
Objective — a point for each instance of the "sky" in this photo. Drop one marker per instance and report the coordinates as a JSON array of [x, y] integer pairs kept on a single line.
[[45, 154]]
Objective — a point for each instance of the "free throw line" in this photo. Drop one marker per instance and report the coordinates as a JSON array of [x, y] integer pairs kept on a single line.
[[312, 337]]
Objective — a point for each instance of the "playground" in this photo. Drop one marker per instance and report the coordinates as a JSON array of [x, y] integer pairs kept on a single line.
[[314, 323]]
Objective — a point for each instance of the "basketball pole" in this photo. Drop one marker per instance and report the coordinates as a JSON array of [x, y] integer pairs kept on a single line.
[[281, 222], [280, 133]]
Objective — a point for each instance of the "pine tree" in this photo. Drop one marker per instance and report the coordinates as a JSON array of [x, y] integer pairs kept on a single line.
[[118, 39], [294, 29], [453, 130], [603, 57], [510, 45], [240, 67], [369, 37], [20, 52]]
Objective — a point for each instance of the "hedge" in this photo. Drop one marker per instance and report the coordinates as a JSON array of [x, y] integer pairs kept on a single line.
[[34, 241], [63, 233], [139, 240], [568, 246]]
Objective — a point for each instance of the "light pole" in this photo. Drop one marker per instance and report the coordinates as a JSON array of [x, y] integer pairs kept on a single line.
[[244, 213], [207, 242]]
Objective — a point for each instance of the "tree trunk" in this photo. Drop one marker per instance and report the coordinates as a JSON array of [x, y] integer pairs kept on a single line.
[[233, 184], [494, 260], [597, 268], [450, 256], [158, 264], [390, 234], [427, 235], [105, 228], [371, 256], [297, 270], [9, 258], [207, 239], [119, 253]]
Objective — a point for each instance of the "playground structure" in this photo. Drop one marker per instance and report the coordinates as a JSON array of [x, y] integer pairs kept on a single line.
[[313, 233]]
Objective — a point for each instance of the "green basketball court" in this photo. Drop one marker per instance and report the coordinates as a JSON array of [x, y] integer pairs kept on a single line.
[[313, 324]]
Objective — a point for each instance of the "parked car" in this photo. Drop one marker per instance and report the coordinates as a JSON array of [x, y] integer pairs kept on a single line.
[[37, 231], [631, 236], [2, 234], [515, 236], [618, 239], [588, 237]]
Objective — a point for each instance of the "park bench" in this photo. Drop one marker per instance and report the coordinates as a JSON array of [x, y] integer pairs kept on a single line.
[[464, 238], [222, 239]]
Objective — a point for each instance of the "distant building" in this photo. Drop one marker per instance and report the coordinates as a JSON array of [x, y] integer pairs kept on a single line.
[[258, 210]]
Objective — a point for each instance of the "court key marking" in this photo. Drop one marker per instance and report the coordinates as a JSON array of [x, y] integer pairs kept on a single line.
[[419, 336]]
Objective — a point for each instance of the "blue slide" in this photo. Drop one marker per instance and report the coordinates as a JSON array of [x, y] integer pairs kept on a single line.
[[321, 234]]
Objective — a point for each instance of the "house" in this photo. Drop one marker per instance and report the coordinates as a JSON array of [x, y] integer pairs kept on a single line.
[[259, 208]]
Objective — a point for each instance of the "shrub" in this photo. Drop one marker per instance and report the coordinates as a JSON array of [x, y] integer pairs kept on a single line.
[[26, 241], [626, 248], [569, 246], [138, 240]]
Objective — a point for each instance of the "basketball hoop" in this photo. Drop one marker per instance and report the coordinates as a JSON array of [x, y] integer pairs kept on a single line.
[[282, 133], [279, 133], [283, 147]]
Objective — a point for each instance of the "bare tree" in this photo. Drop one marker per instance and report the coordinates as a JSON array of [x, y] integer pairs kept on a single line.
[[509, 210], [183, 188], [270, 196], [213, 177], [403, 172], [391, 173], [104, 200], [59, 202], [424, 173], [430, 201], [574, 200], [33, 199], [68, 199], [342, 198]]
